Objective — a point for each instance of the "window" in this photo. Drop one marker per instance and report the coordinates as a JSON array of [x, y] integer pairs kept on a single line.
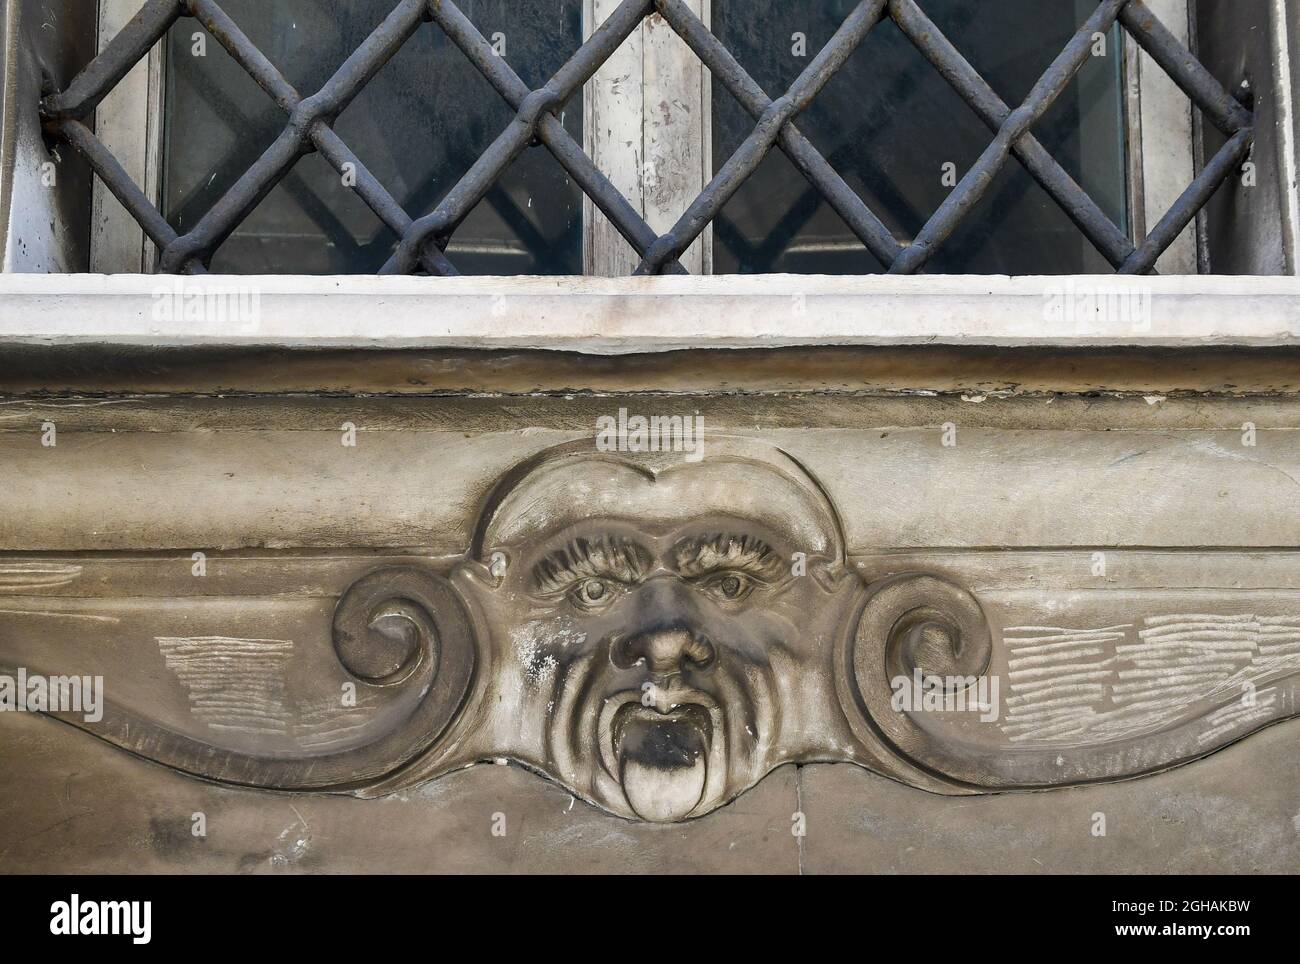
[[417, 126], [893, 135], [900, 136]]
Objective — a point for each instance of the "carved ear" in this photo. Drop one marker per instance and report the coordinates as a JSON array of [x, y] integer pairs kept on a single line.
[[990, 705], [371, 692]]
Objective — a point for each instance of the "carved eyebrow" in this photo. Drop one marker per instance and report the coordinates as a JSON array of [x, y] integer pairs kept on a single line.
[[704, 554], [616, 557]]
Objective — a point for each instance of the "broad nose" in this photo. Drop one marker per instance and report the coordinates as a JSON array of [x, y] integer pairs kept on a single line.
[[668, 649]]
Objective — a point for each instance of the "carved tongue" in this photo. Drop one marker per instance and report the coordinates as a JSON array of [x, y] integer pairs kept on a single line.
[[663, 767]]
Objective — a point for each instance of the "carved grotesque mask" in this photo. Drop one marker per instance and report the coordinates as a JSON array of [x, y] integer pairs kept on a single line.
[[656, 632], [661, 659]]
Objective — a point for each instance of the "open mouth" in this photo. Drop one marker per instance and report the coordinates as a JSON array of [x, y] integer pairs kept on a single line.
[[662, 758]]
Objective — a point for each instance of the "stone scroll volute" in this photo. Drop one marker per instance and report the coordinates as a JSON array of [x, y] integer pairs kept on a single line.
[[657, 633]]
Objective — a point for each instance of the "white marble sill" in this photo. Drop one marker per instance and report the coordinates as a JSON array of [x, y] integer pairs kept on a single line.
[[627, 315]]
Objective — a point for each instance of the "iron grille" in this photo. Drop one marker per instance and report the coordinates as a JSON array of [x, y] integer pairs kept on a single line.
[[423, 240]]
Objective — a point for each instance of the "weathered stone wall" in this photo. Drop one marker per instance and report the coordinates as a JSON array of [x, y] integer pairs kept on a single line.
[[1117, 526]]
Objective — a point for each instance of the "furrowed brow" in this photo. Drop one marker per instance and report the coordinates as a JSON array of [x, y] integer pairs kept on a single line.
[[704, 554], [613, 557]]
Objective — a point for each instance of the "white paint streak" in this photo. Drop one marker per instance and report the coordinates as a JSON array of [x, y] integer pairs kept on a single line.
[[1077, 686], [26, 577], [233, 684]]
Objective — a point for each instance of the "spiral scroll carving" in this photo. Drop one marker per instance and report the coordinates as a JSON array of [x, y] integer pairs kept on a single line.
[[915, 622], [929, 624], [407, 627]]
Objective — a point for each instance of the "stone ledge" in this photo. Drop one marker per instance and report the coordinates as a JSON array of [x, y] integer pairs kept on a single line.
[[1192, 820], [631, 315]]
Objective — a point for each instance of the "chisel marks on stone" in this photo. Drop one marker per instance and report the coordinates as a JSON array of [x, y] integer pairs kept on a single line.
[[1079, 686], [233, 684]]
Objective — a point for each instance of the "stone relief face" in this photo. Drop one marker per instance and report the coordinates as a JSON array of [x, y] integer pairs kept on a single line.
[[657, 632], [669, 643]]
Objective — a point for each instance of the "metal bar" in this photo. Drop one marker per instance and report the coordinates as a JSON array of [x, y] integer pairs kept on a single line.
[[550, 132], [1224, 110], [296, 139], [355, 72], [114, 62], [469, 190], [1105, 235], [747, 157], [235, 205], [218, 23], [464, 195], [115, 178], [724, 67], [227, 33], [1221, 166], [976, 182], [368, 188], [421, 241]]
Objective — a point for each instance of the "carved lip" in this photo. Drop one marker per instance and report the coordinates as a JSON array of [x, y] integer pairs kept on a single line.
[[634, 715], [686, 707]]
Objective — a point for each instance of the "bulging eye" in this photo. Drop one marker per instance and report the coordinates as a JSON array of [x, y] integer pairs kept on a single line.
[[730, 586], [592, 592]]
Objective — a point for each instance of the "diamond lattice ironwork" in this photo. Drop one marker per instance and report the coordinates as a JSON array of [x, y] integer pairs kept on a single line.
[[423, 240]]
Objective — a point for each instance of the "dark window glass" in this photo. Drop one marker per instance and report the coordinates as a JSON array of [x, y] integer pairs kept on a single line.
[[888, 121], [418, 126]]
